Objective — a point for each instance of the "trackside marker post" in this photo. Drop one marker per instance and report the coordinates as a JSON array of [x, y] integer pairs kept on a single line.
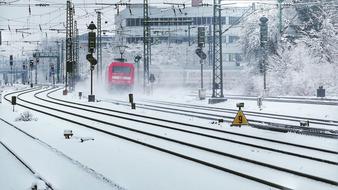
[[13, 101], [240, 118]]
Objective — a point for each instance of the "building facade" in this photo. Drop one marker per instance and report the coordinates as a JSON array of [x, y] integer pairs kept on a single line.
[[177, 25]]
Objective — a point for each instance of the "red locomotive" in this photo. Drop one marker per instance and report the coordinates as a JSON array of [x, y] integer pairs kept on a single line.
[[121, 75]]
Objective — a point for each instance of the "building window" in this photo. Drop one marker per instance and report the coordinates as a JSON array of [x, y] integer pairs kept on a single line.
[[199, 21], [223, 20], [128, 22], [138, 22], [238, 57], [209, 20], [233, 39], [233, 20], [204, 20]]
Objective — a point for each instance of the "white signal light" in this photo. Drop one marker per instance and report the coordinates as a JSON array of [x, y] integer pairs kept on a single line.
[[116, 77], [126, 78]]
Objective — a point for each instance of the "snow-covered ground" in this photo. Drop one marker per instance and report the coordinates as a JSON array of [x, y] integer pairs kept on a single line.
[[107, 160]]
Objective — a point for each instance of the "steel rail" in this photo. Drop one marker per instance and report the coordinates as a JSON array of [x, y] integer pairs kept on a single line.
[[253, 113], [27, 166], [316, 178], [252, 178], [321, 132], [194, 126]]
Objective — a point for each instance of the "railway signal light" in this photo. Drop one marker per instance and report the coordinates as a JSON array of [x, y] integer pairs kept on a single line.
[[31, 62], [201, 36], [152, 78], [91, 37], [263, 31], [91, 59], [11, 60], [91, 41], [69, 66], [52, 69], [137, 58], [200, 53]]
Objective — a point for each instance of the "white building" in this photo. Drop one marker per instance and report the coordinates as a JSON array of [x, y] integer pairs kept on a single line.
[[176, 25]]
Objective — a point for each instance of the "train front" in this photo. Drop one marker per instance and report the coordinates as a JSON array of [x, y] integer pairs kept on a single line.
[[121, 75]]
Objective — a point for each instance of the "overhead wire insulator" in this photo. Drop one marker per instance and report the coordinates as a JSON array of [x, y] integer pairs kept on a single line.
[[174, 11], [130, 11], [29, 9], [117, 9]]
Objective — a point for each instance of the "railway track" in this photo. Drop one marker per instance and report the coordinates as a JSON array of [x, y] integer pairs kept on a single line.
[[139, 118], [57, 152], [317, 101], [252, 113], [27, 166], [212, 113], [174, 141]]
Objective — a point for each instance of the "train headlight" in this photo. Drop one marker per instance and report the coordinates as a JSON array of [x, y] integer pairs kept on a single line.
[[126, 78], [115, 77]]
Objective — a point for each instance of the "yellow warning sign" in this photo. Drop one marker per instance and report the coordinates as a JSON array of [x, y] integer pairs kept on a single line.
[[240, 119]]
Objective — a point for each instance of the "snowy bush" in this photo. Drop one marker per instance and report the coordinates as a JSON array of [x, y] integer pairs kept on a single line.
[[26, 116], [39, 185]]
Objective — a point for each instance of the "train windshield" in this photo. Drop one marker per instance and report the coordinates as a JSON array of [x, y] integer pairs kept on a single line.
[[119, 69]]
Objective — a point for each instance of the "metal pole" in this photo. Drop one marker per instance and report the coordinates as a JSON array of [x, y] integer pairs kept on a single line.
[[75, 56], [146, 44], [280, 15], [58, 62], [91, 81], [53, 78], [69, 45], [138, 72], [36, 73], [11, 75], [210, 46], [31, 75], [189, 37], [217, 71], [201, 62], [15, 70], [62, 72], [264, 67], [99, 45]]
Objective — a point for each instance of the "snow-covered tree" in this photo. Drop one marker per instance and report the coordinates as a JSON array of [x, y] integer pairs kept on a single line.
[[304, 58]]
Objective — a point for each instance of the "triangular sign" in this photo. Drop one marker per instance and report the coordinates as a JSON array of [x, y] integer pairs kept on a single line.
[[240, 119]]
